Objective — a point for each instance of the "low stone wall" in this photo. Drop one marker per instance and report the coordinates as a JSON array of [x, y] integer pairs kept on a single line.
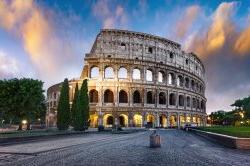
[[228, 141]]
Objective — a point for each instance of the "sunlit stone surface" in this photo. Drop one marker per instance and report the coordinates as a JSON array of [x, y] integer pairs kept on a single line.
[[137, 79]]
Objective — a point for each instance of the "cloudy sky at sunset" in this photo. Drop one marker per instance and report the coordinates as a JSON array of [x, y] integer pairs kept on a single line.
[[48, 39]]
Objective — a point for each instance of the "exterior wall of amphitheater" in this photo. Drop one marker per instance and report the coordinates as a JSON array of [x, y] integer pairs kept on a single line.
[[137, 79]]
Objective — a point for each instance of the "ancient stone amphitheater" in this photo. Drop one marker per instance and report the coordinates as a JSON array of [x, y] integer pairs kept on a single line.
[[138, 79]]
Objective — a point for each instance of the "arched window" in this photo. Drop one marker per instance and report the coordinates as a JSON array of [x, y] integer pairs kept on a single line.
[[194, 103], [202, 104], [172, 99], [136, 74], [122, 73], [180, 81], [123, 97], [181, 100], [109, 72], [160, 76], [188, 101], [192, 85], [93, 96], [94, 72], [108, 96], [150, 97], [149, 75], [170, 78], [136, 97], [187, 82], [162, 98]]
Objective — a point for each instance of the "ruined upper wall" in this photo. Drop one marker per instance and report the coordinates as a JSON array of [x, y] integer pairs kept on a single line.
[[112, 43]]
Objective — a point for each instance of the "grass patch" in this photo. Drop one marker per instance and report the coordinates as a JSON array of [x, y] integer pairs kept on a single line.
[[243, 132]]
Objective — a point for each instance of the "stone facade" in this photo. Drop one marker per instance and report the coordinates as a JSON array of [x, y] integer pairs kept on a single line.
[[137, 79]]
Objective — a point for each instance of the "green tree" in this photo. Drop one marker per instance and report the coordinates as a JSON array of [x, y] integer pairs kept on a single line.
[[22, 99], [63, 109], [74, 108], [82, 108]]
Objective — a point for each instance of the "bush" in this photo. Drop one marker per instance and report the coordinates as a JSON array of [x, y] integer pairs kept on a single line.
[[100, 128]]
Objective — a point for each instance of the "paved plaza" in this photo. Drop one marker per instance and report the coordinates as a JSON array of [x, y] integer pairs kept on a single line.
[[178, 148]]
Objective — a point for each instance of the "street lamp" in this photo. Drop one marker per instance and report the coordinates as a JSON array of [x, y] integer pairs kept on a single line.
[[24, 122]]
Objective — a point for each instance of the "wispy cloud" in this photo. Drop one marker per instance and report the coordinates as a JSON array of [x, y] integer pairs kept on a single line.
[[9, 66], [221, 29], [111, 16], [48, 51], [186, 21]]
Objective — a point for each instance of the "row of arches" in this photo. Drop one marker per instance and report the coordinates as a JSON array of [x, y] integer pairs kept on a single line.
[[170, 78], [150, 98], [138, 120]]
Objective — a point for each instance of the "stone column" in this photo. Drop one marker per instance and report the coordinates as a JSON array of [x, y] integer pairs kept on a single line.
[[157, 120], [168, 120], [144, 119], [100, 118], [130, 119], [178, 120]]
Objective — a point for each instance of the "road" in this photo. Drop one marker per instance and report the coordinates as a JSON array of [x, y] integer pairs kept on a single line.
[[178, 148]]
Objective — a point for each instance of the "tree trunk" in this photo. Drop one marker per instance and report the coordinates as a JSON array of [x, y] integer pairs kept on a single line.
[[19, 127], [28, 126]]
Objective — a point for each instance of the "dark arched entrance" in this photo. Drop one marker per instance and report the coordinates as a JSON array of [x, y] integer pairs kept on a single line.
[[122, 121]]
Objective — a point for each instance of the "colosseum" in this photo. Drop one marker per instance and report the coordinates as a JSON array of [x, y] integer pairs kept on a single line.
[[137, 80]]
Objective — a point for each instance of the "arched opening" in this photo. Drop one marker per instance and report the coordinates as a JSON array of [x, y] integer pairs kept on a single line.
[[93, 120], [192, 85], [187, 82], [172, 121], [182, 120], [194, 103], [136, 97], [181, 100], [188, 101], [149, 75], [137, 120], [136, 74], [194, 119], [202, 104], [180, 81], [162, 98], [123, 97], [93, 96], [122, 73], [94, 72], [108, 120], [150, 121], [163, 121], [160, 76], [171, 79], [109, 72], [123, 120], [172, 99], [108, 96], [188, 119], [150, 97]]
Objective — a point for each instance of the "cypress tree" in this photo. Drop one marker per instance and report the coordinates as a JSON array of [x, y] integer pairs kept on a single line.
[[85, 108], [74, 108], [82, 107], [63, 109]]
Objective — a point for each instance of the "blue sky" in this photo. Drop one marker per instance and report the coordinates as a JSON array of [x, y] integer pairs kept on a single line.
[[48, 39]]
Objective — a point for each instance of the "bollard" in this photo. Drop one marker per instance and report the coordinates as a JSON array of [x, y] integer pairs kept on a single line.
[[155, 140]]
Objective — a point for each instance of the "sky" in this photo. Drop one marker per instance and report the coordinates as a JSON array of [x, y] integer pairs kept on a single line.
[[48, 40]]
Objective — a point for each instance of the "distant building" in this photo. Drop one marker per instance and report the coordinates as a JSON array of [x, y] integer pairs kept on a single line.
[[137, 79]]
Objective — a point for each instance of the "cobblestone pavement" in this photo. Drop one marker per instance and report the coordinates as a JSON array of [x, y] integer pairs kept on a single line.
[[178, 148]]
